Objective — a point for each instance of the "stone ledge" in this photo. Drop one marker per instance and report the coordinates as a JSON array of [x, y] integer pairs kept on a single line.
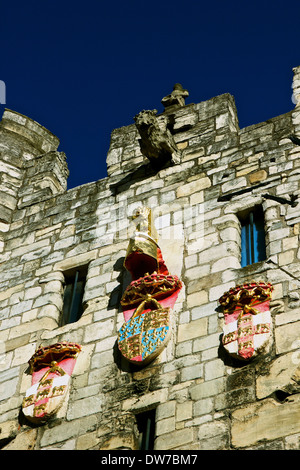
[[256, 422]]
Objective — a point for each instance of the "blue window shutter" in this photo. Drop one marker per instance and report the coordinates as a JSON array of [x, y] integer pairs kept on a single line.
[[259, 240], [253, 248], [244, 244]]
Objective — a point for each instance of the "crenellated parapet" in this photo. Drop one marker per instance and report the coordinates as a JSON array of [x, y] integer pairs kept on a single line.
[[31, 168]]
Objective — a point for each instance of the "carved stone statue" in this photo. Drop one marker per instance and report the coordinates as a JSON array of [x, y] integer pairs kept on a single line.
[[157, 142], [176, 98]]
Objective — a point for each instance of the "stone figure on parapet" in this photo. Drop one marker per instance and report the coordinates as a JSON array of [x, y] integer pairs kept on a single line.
[[157, 142], [176, 98]]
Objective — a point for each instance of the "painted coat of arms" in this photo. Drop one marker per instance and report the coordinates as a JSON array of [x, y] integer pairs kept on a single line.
[[148, 300], [143, 336], [51, 368], [248, 323]]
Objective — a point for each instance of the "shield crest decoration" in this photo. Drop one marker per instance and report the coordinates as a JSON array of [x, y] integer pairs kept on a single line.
[[51, 369], [146, 333], [247, 320], [44, 398], [148, 301]]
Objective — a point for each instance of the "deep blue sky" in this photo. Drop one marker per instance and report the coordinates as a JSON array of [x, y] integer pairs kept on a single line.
[[82, 69]]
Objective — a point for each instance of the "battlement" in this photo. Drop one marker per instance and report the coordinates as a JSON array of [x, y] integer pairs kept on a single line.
[[31, 169], [38, 137], [192, 127]]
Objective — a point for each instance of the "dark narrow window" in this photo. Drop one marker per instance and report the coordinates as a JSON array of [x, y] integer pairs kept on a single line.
[[73, 295], [253, 244], [146, 428]]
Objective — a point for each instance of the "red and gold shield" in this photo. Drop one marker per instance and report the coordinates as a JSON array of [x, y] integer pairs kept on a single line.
[[51, 369], [248, 323]]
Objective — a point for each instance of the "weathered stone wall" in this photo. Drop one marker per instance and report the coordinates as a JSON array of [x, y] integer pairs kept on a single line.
[[203, 398]]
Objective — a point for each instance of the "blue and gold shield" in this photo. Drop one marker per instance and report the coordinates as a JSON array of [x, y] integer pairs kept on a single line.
[[144, 336]]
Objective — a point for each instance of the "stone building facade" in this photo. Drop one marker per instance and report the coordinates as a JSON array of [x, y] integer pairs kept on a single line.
[[200, 193]]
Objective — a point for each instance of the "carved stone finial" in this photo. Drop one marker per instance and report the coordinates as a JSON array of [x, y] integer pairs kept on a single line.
[[157, 142], [176, 98]]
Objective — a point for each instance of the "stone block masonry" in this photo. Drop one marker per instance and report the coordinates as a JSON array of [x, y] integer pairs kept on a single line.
[[202, 397]]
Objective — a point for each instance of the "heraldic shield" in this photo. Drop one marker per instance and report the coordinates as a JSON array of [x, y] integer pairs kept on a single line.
[[144, 336], [51, 369], [248, 323]]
